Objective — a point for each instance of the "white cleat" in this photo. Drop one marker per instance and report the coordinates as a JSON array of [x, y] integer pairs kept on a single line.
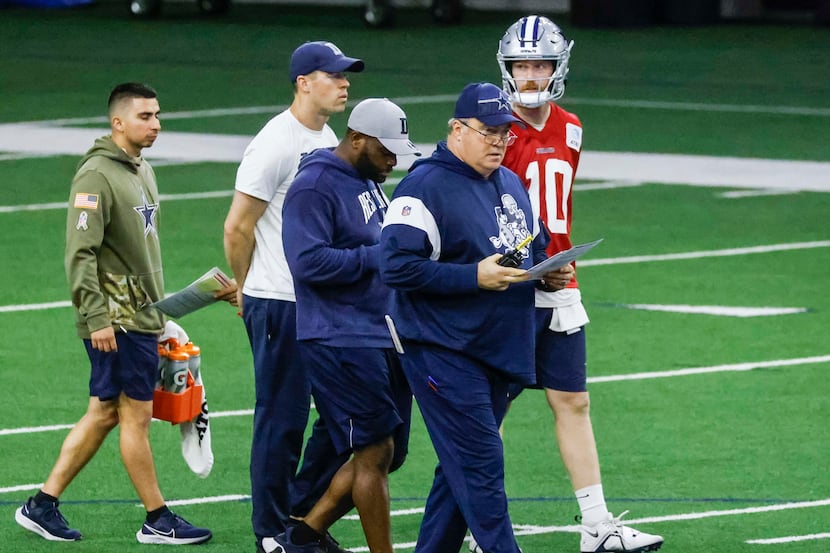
[[474, 548], [612, 535]]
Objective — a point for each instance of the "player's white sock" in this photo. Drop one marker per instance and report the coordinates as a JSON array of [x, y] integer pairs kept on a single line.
[[592, 504]]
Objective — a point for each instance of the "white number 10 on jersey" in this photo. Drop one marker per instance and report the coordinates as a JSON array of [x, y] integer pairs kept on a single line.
[[558, 178]]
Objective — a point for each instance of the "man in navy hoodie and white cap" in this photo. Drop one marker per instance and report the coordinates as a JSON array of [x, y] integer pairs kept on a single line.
[[465, 320], [332, 221]]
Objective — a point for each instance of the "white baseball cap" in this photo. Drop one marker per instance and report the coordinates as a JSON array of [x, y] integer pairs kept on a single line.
[[382, 119]]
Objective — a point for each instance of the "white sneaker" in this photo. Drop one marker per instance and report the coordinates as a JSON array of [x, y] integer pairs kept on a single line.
[[474, 548], [612, 535]]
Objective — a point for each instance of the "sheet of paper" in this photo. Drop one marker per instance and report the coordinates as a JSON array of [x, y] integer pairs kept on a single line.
[[560, 259], [197, 295]]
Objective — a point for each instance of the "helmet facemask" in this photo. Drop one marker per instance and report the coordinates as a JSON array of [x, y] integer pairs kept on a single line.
[[534, 38]]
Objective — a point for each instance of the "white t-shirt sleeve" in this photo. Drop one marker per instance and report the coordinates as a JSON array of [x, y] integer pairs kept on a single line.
[[267, 170], [265, 165]]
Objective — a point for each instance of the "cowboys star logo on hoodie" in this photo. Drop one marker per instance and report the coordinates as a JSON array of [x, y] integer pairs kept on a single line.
[[148, 213]]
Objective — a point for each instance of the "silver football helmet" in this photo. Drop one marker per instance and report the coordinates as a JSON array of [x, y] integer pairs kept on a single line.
[[534, 38]]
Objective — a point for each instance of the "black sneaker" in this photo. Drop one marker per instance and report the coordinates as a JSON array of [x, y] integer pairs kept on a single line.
[[331, 545], [286, 545], [327, 543], [172, 529], [45, 520]]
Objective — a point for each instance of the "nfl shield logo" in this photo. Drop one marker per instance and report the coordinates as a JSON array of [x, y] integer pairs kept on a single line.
[[406, 211]]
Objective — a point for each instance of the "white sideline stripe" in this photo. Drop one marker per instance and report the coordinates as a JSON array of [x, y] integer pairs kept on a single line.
[[586, 263], [395, 513], [35, 306], [738, 367], [790, 539], [706, 253], [34, 429], [54, 427], [526, 530], [202, 500], [197, 195], [15, 157], [22, 487], [165, 197], [608, 185], [237, 413], [445, 98], [675, 169], [755, 193], [699, 106], [718, 310], [226, 193]]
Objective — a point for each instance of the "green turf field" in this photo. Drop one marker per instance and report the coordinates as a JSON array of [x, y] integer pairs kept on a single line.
[[711, 427]]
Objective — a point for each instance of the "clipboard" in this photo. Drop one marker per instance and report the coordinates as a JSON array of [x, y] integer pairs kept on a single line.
[[560, 259]]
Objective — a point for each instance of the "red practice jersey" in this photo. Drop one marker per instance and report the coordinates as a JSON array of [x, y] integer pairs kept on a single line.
[[546, 161]]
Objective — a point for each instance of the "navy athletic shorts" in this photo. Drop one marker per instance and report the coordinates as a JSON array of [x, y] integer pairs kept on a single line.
[[133, 369], [354, 393], [561, 359]]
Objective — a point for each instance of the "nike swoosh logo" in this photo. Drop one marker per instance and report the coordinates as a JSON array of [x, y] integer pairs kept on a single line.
[[592, 533], [170, 534]]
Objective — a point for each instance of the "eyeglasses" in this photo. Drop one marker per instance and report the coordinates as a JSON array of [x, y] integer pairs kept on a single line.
[[507, 138]]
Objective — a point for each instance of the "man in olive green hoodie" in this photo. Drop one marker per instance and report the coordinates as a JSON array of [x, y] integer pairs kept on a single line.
[[113, 264]]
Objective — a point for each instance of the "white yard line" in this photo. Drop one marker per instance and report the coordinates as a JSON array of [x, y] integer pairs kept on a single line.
[[21, 488], [716, 310], [701, 107], [531, 530], [738, 194], [587, 263], [706, 253], [790, 539], [736, 367], [164, 197], [39, 138], [450, 98], [204, 500]]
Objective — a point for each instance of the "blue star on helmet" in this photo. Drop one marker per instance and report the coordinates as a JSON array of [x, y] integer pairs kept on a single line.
[[148, 213]]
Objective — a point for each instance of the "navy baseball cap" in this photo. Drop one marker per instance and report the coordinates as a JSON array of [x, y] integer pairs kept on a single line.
[[485, 102], [321, 56]]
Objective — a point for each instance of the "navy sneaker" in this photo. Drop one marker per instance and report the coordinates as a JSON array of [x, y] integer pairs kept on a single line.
[[285, 545], [45, 520], [331, 545], [170, 528]]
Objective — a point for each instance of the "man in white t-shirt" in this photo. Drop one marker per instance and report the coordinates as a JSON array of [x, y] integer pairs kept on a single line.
[[254, 251]]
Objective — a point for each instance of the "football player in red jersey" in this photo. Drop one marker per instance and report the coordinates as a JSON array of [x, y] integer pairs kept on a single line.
[[533, 57]]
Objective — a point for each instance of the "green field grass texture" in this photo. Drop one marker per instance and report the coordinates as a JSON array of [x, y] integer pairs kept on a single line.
[[703, 457]]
